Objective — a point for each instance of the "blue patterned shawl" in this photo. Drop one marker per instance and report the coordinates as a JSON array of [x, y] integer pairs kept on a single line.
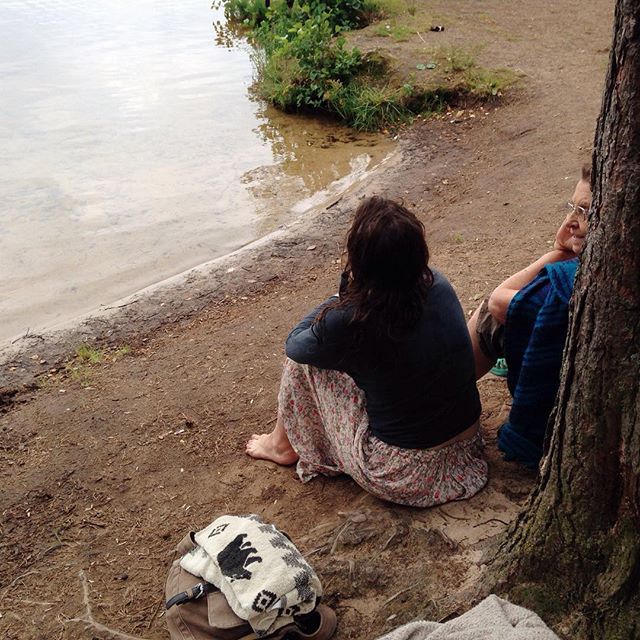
[[535, 334]]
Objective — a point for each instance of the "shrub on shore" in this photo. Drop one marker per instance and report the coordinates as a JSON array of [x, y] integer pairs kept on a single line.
[[304, 63]]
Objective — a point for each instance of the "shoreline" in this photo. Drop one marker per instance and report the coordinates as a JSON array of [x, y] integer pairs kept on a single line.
[[177, 298]]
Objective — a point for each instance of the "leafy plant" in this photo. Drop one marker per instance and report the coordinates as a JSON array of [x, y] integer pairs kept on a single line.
[[250, 13], [305, 72], [303, 62], [305, 56]]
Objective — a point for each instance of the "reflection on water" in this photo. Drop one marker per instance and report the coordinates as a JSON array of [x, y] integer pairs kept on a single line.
[[309, 155], [132, 151]]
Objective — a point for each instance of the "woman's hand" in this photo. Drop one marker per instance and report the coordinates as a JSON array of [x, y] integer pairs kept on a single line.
[[563, 237]]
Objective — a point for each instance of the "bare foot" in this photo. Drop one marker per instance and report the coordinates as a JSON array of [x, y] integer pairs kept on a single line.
[[267, 446]]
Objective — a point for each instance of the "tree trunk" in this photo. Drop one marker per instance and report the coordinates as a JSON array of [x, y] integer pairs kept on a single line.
[[573, 554]]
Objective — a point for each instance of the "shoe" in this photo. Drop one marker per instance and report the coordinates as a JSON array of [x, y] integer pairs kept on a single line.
[[320, 624], [323, 619], [500, 368]]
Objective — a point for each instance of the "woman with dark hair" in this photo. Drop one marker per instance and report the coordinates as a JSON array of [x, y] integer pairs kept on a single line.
[[379, 380]]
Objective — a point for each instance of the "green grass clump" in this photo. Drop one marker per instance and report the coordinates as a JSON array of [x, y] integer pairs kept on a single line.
[[88, 355], [368, 107], [81, 368], [458, 59], [395, 7], [398, 32], [467, 77], [371, 106], [303, 62], [121, 352]]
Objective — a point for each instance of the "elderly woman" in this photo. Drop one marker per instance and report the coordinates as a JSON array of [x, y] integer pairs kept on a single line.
[[525, 321], [379, 382]]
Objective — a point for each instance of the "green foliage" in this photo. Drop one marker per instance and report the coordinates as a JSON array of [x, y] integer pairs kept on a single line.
[[469, 78], [247, 12], [368, 107], [121, 352], [303, 62], [307, 69], [81, 368], [304, 59], [346, 14], [88, 355]]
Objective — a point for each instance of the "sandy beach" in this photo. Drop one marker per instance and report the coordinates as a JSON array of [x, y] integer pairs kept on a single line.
[[106, 465]]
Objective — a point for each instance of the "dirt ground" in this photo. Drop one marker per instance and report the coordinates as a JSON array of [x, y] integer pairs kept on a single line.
[[105, 467]]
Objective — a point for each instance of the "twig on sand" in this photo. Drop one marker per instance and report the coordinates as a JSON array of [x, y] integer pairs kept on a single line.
[[28, 334], [154, 614], [119, 306], [452, 544], [352, 570], [39, 602], [454, 517], [321, 527], [161, 601], [14, 581], [337, 538], [396, 595], [88, 620], [491, 520]]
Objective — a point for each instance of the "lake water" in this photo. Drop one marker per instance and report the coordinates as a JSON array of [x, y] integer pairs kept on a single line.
[[132, 151]]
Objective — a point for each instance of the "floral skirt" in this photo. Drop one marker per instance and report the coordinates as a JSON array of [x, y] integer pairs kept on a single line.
[[325, 417]]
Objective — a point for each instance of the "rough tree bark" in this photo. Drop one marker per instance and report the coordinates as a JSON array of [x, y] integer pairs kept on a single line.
[[573, 554]]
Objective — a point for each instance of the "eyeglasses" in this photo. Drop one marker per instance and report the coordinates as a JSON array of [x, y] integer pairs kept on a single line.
[[577, 209]]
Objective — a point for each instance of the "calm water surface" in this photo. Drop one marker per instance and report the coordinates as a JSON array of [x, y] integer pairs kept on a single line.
[[133, 151]]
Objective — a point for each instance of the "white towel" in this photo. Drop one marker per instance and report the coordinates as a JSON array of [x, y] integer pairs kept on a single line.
[[265, 579], [491, 619]]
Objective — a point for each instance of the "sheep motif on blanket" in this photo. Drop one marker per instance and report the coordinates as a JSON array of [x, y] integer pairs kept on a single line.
[[263, 576]]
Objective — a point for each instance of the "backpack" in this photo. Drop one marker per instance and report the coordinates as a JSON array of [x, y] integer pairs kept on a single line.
[[241, 578]]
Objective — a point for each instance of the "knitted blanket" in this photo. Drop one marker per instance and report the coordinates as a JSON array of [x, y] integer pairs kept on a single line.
[[264, 578], [492, 619], [535, 333]]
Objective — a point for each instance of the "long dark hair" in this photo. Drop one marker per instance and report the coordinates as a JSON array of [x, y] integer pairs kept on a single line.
[[387, 275]]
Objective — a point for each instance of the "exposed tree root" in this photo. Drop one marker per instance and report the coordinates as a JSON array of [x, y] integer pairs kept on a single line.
[[88, 620]]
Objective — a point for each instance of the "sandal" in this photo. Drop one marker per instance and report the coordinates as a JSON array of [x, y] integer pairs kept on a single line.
[[500, 368]]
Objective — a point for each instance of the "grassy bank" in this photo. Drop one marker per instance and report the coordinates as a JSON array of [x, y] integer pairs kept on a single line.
[[306, 60]]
